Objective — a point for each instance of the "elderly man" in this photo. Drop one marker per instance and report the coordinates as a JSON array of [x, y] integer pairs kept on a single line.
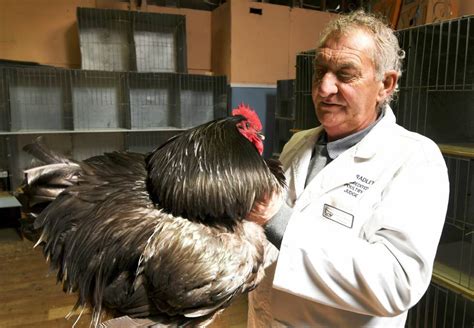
[[366, 202]]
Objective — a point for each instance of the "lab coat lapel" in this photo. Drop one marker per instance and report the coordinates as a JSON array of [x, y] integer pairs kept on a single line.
[[336, 173], [298, 169], [333, 175]]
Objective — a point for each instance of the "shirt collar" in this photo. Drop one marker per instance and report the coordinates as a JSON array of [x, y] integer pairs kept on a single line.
[[337, 147]]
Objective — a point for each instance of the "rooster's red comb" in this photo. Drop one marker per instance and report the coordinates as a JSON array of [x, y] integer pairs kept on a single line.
[[249, 114]]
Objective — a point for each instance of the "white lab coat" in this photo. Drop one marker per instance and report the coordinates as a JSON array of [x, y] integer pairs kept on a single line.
[[360, 245]]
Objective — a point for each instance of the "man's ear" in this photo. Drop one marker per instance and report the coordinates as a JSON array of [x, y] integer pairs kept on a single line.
[[388, 85]]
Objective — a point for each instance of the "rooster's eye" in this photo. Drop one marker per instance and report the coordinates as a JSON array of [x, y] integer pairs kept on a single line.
[[247, 125]]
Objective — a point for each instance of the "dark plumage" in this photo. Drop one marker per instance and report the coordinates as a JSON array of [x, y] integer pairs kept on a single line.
[[161, 235]]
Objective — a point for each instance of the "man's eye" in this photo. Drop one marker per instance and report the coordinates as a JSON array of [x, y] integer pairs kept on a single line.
[[345, 77]]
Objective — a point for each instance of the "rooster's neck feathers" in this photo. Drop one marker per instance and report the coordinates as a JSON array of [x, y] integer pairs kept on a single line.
[[210, 173]]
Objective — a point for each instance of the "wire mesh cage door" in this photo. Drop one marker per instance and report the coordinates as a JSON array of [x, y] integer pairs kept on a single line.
[[201, 99], [437, 86], [159, 42], [38, 99], [305, 115], [99, 100], [285, 114], [441, 307], [105, 39], [153, 99]]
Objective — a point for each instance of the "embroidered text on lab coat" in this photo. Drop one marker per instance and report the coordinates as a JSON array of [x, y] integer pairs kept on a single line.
[[358, 187]]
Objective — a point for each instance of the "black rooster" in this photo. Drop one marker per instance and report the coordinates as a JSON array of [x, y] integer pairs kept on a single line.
[[162, 236]]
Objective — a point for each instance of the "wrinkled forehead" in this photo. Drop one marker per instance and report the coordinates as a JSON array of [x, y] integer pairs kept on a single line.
[[355, 47], [340, 57]]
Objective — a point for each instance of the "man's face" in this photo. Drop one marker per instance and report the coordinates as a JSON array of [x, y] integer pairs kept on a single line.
[[345, 90]]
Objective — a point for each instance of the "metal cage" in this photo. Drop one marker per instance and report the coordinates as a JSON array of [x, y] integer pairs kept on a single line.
[[305, 116], [117, 40], [437, 99], [441, 307], [83, 113], [285, 114], [437, 86]]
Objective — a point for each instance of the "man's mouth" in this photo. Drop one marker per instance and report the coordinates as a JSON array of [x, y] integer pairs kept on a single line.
[[326, 104]]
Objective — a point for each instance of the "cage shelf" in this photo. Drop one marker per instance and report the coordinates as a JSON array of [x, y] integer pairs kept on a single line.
[[447, 276], [146, 141], [52, 100], [460, 149], [112, 108]]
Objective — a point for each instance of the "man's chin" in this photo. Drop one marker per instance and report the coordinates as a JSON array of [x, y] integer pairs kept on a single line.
[[328, 119]]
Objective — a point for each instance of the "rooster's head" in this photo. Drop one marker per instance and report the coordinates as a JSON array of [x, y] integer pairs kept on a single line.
[[250, 127]]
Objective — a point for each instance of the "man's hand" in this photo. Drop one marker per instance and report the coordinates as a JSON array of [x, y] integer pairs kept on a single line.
[[263, 210]]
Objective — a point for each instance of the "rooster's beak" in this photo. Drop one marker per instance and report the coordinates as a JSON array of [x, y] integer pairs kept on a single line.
[[261, 136]]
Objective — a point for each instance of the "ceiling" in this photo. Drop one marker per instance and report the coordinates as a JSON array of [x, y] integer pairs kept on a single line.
[[338, 6]]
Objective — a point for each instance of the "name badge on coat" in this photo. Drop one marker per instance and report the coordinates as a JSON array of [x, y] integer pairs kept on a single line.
[[338, 215]]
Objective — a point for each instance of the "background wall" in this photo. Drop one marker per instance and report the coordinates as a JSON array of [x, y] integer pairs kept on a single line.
[[257, 43], [45, 31], [253, 44], [248, 48]]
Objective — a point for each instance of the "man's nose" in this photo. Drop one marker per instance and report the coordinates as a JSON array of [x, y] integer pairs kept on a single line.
[[327, 85]]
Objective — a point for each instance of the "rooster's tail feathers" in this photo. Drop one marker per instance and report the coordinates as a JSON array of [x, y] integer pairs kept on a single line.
[[40, 151], [43, 184]]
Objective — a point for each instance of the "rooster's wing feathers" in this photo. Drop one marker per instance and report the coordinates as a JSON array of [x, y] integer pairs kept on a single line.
[[198, 276]]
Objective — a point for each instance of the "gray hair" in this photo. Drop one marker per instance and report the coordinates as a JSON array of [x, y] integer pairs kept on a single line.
[[387, 54]]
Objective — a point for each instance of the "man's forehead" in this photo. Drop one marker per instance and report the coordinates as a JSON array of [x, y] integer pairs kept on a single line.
[[340, 56], [354, 48]]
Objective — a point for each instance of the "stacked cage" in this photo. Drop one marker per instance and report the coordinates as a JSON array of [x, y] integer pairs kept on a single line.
[[116, 40], [305, 116], [285, 114], [442, 307], [436, 99], [132, 93], [4, 152]]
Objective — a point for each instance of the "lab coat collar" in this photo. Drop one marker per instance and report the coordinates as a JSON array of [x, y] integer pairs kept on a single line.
[[365, 149], [368, 146]]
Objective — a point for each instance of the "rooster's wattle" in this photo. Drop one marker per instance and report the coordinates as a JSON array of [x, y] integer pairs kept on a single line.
[[162, 235]]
